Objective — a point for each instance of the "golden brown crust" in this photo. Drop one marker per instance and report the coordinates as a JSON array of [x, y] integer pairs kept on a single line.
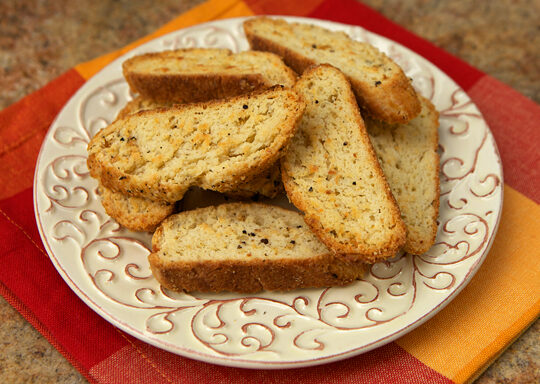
[[355, 248], [131, 185], [401, 107], [400, 100], [194, 88], [253, 276]]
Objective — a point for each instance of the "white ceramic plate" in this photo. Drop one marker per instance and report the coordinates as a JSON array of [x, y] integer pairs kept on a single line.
[[106, 265]]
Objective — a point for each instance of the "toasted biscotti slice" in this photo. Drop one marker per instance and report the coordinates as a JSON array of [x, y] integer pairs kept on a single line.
[[135, 213], [408, 156], [267, 184], [381, 87], [201, 74], [244, 247], [331, 172], [159, 154]]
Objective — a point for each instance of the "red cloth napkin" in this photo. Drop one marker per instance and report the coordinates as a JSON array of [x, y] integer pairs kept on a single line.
[[454, 346]]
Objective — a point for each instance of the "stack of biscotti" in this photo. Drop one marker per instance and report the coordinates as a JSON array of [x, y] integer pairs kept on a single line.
[[331, 173], [344, 139], [169, 78]]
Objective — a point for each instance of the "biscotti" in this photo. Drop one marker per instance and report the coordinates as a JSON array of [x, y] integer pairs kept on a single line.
[[159, 154], [381, 87], [135, 213], [267, 184], [331, 172], [201, 74], [409, 159], [245, 248]]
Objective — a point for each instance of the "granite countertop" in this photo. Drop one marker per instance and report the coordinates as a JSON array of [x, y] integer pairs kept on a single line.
[[39, 40]]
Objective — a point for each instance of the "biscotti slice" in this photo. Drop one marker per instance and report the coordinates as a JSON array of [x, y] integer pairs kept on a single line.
[[381, 87], [331, 172], [135, 213], [267, 184], [201, 74], [409, 159], [159, 154], [243, 247]]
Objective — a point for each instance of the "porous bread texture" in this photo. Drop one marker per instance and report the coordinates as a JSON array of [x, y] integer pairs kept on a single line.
[[201, 74], [408, 156], [267, 184], [244, 247], [217, 145], [330, 172], [381, 87], [135, 213]]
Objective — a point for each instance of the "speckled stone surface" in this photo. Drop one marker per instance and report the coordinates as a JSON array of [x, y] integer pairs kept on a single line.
[[501, 38], [41, 39]]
